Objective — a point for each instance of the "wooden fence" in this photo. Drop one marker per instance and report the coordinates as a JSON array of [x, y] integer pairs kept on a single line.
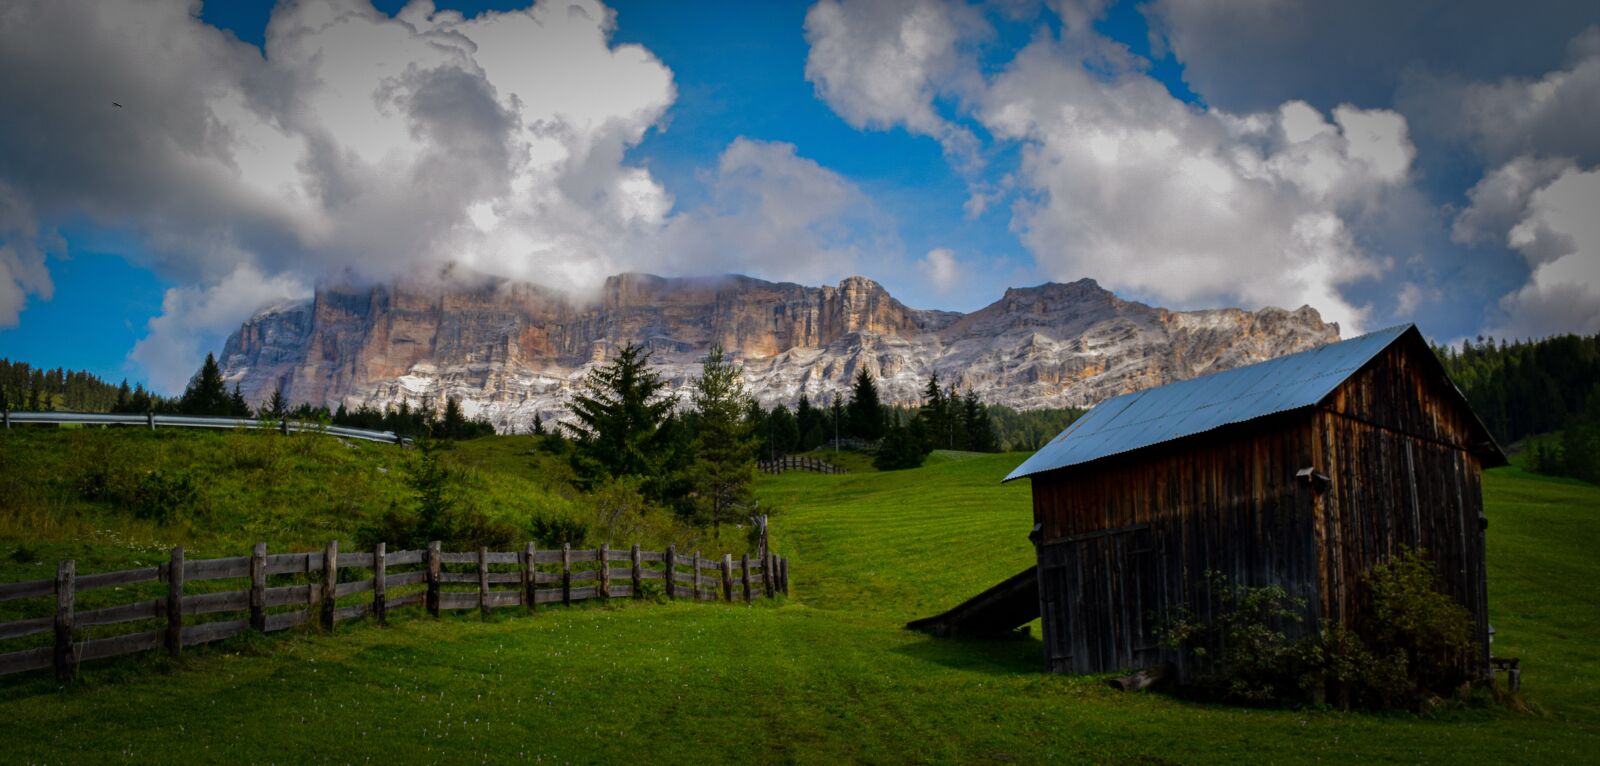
[[432, 578], [792, 463]]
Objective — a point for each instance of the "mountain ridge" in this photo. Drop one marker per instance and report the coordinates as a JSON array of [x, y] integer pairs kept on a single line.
[[511, 349]]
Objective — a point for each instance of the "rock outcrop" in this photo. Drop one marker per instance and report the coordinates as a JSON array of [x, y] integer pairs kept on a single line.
[[508, 350]]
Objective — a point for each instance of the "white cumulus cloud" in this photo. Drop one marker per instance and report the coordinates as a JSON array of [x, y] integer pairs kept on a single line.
[[355, 144]]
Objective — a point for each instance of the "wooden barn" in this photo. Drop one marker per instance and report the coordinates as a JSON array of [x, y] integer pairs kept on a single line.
[[1304, 471]]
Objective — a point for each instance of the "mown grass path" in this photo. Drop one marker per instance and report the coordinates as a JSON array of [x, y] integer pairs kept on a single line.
[[827, 677]]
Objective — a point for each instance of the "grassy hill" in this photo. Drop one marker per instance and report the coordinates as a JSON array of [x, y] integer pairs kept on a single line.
[[828, 675]]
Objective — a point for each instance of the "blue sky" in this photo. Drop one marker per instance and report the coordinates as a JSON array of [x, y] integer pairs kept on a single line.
[[1372, 163]]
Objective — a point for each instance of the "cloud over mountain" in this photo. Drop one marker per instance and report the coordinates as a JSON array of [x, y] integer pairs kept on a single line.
[[355, 142]]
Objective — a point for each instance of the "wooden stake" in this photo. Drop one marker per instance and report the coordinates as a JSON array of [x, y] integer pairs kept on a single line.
[[566, 573], [330, 583], [433, 578], [529, 580], [744, 575], [671, 572], [638, 572], [66, 592], [483, 581], [175, 603], [258, 588], [696, 593], [766, 574], [605, 570], [380, 573], [727, 577]]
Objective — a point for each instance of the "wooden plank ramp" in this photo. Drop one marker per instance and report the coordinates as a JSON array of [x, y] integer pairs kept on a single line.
[[997, 611]]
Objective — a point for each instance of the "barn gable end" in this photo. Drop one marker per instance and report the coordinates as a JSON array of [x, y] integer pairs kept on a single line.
[[1302, 472]]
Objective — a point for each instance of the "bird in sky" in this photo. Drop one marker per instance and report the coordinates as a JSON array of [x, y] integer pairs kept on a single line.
[[117, 105]]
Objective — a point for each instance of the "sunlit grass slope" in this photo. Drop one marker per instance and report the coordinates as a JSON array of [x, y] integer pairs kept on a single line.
[[827, 676]]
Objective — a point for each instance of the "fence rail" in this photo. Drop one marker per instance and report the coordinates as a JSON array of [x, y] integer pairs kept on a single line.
[[152, 420], [793, 463], [318, 596]]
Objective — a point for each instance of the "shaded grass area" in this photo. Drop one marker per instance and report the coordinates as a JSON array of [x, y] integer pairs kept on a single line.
[[824, 677]]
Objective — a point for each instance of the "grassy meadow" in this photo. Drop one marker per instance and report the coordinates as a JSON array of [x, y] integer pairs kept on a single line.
[[827, 675]]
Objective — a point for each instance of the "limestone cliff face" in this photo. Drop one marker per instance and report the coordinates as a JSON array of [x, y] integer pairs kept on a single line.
[[508, 350]]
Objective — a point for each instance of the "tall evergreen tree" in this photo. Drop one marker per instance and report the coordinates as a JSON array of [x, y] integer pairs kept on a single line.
[[935, 415], [454, 424], [836, 419], [276, 407], [783, 431], [811, 423], [206, 394], [724, 448], [619, 412], [237, 406], [866, 417], [538, 425], [979, 427]]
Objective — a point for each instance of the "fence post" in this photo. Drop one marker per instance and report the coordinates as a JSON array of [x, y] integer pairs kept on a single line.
[[380, 573], [566, 573], [671, 573], [601, 555], [8, 417], [283, 426], [66, 592], [175, 602], [433, 578], [638, 572], [529, 579], [330, 583], [727, 577], [783, 577], [483, 581], [150, 417], [744, 575], [258, 588], [696, 593], [766, 573]]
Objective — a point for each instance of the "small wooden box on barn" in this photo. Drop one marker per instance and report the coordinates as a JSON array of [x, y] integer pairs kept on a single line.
[[1304, 471]]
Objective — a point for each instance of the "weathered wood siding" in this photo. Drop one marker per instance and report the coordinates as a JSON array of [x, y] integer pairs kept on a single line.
[[1405, 472], [1124, 540]]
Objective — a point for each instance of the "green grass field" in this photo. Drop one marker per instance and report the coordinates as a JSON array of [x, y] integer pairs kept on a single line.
[[827, 676]]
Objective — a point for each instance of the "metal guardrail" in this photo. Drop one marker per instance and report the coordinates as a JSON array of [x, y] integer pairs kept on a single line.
[[153, 420]]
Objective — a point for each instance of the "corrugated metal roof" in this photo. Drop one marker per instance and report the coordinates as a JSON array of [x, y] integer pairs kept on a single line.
[[1134, 421]]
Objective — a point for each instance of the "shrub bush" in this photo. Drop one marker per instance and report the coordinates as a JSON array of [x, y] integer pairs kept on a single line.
[[166, 495], [1409, 648]]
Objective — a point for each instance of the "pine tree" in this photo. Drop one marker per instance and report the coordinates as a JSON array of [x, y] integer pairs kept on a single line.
[[237, 406], [979, 428], [206, 394], [935, 414], [276, 407], [454, 424], [619, 414], [724, 449], [783, 431], [866, 414], [836, 419], [538, 425]]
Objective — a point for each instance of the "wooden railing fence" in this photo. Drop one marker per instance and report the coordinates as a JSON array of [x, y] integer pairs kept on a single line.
[[794, 463], [432, 578]]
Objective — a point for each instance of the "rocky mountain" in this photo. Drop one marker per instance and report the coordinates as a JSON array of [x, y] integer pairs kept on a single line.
[[508, 350]]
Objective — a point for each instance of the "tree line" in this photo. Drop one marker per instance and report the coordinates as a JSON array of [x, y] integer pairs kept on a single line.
[[29, 389], [25, 388], [1526, 388]]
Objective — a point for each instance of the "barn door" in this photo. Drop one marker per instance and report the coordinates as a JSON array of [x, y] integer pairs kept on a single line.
[[1099, 597]]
